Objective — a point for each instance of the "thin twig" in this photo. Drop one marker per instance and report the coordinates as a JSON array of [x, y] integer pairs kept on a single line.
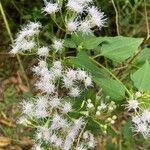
[[12, 41], [117, 17], [146, 19], [79, 137]]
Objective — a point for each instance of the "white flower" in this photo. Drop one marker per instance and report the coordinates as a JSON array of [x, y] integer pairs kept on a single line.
[[27, 107], [56, 72], [43, 51], [72, 26], [58, 45], [70, 138], [45, 87], [68, 83], [27, 45], [67, 107], [97, 17], [57, 64], [58, 142], [74, 92], [85, 27], [71, 74], [136, 119], [142, 128], [145, 116], [53, 138], [34, 25], [37, 147], [51, 8], [84, 1], [88, 82], [81, 75], [54, 102], [58, 122], [41, 113], [43, 133], [41, 102], [132, 104], [75, 6]]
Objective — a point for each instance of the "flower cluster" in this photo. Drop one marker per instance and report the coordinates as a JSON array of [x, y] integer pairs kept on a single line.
[[93, 17], [141, 116], [25, 39], [59, 87], [58, 131]]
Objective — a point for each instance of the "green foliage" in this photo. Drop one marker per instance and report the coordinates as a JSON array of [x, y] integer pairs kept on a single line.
[[83, 61], [141, 78], [120, 48], [112, 88]]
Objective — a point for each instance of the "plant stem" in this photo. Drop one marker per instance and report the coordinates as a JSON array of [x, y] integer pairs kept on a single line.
[[12, 41]]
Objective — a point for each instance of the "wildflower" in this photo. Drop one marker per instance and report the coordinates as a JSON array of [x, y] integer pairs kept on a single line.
[[58, 45], [132, 104], [57, 64], [34, 25], [136, 119], [75, 6], [142, 128], [43, 51], [45, 87], [72, 26], [88, 82], [81, 75], [68, 83], [37, 147], [72, 134], [51, 8], [74, 92], [85, 27], [145, 116], [27, 107], [71, 74], [97, 17], [54, 102], [67, 107]]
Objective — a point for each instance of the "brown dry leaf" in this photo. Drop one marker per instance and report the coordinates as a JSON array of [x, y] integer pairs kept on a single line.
[[4, 141], [23, 88], [15, 148], [26, 141], [8, 122]]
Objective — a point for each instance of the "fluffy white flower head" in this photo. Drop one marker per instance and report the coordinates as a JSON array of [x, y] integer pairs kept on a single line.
[[75, 6], [51, 8], [58, 45], [72, 26], [74, 92], [85, 27], [43, 51], [132, 104]]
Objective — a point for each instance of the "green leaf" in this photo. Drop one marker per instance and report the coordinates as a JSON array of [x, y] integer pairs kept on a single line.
[[112, 88], [69, 43], [92, 43], [120, 48], [83, 61], [141, 78], [144, 55]]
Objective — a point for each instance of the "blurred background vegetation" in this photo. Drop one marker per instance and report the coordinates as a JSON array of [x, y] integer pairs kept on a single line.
[[124, 17]]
